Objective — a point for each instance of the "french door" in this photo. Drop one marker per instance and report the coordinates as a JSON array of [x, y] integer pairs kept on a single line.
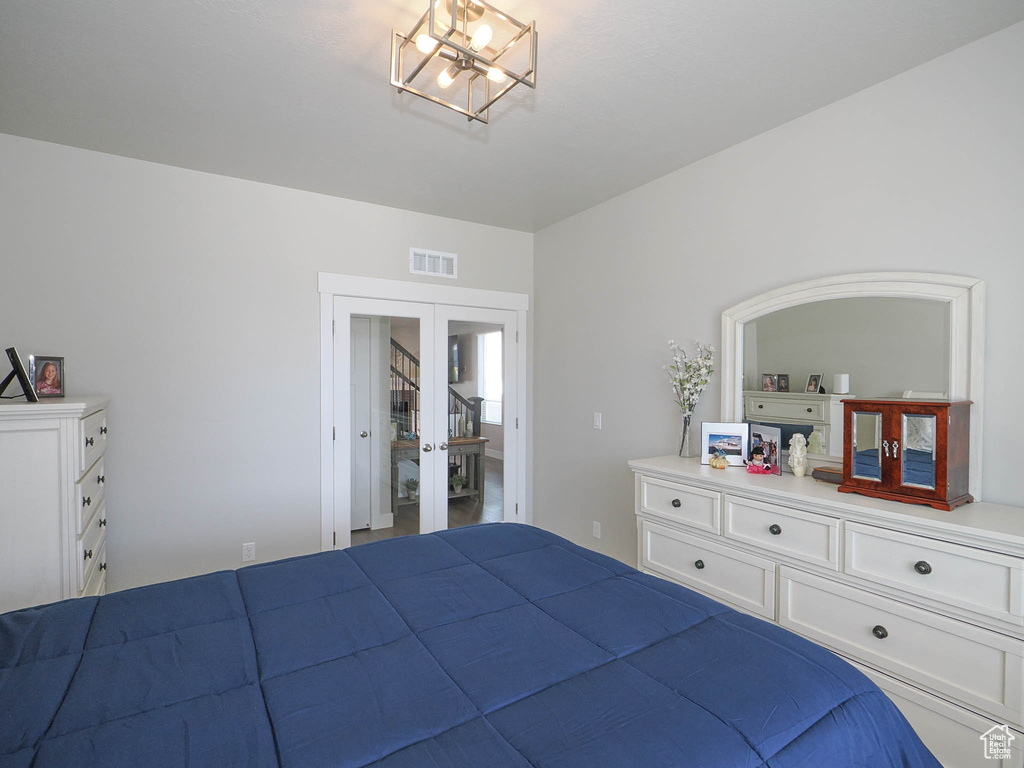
[[425, 417]]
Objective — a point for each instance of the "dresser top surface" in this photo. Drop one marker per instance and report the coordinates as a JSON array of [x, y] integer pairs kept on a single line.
[[57, 406], [995, 523]]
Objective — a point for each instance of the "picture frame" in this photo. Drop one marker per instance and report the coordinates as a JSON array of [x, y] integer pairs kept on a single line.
[[769, 438], [769, 382], [782, 381], [814, 383], [729, 439], [18, 371], [47, 375]]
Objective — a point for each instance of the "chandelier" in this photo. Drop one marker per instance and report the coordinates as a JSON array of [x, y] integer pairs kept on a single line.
[[464, 55]]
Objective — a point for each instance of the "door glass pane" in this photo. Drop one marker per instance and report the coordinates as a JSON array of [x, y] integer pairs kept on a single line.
[[386, 422], [476, 430], [918, 450], [867, 446]]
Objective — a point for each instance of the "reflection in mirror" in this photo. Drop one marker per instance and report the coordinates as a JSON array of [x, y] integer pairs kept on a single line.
[[919, 450], [887, 345], [867, 438]]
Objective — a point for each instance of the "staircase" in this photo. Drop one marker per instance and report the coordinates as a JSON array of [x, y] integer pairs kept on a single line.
[[405, 398]]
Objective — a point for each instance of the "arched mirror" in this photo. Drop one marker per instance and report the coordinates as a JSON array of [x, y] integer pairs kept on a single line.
[[892, 334]]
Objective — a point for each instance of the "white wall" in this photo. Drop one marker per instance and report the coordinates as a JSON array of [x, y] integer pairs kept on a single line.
[[924, 172], [191, 299]]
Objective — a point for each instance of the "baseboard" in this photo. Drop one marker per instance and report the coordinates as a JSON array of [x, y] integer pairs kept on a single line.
[[499, 455]]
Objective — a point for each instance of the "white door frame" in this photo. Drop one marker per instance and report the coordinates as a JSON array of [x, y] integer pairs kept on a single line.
[[330, 285]]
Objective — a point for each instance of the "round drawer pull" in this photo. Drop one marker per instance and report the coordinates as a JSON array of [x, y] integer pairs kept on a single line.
[[677, 503], [880, 632], [699, 565], [809, 410], [87, 554], [774, 529], [89, 441], [922, 567], [760, 406]]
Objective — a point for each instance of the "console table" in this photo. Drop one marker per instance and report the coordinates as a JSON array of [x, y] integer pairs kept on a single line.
[[927, 603], [470, 447]]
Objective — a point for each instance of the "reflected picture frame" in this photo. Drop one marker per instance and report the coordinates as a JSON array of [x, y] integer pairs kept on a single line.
[[769, 382], [729, 439], [782, 381]]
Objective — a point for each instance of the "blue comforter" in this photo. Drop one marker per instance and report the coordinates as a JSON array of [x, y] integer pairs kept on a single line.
[[484, 647]]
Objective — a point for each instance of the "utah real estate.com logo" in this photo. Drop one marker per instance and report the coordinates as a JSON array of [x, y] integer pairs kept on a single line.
[[997, 742]]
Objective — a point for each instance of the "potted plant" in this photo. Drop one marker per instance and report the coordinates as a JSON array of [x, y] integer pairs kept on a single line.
[[458, 481], [412, 486]]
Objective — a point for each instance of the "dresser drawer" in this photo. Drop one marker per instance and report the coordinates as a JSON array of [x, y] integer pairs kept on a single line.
[[975, 580], [746, 581], [695, 507], [89, 493], [97, 583], [950, 732], [90, 546], [980, 668], [789, 409], [804, 535], [93, 435]]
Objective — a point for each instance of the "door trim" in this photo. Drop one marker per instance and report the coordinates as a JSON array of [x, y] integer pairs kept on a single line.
[[330, 285]]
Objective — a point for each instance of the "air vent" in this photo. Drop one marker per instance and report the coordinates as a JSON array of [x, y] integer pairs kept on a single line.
[[434, 263]]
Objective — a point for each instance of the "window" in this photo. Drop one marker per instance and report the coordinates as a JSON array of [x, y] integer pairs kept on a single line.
[[489, 358]]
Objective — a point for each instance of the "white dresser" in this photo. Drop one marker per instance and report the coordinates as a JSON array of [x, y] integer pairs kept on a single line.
[[929, 604], [53, 514]]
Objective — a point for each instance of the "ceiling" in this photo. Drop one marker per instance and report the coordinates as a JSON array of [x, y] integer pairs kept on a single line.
[[296, 92]]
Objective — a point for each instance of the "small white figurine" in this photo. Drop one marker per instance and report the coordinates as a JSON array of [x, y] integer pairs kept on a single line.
[[816, 444], [798, 454]]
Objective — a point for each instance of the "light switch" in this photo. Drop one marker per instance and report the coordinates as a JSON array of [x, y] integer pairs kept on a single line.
[[597, 421]]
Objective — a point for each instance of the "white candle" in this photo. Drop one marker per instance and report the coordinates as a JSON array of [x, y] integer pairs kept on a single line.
[[841, 383]]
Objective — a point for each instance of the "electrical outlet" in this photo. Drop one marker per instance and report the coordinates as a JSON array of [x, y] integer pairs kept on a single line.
[[597, 420], [597, 530], [249, 552]]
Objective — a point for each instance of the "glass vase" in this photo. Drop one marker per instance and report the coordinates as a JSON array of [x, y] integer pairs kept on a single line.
[[687, 447]]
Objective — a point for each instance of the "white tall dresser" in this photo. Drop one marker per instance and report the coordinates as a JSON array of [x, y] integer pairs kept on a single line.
[[53, 514], [929, 604]]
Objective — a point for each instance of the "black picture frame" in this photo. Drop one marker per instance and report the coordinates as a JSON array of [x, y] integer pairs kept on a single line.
[[21, 374], [38, 366], [782, 381]]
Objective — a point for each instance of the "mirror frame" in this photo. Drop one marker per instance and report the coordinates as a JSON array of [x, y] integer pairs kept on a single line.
[[964, 295]]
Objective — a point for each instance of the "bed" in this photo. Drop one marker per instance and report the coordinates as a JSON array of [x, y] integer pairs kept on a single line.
[[488, 646]]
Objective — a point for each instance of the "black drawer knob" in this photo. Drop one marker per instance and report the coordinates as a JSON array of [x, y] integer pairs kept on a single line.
[[774, 529], [87, 554], [699, 565], [87, 501], [760, 406], [89, 441], [677, 503], [922, 567], [880, 632]]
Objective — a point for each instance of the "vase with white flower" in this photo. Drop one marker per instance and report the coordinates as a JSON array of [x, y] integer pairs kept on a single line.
[[689, 377]]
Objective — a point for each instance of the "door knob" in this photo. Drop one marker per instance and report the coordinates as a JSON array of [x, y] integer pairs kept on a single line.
[[443, 446], [427, 448], [364, 433]]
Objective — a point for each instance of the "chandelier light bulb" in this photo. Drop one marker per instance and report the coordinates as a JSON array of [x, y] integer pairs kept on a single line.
[[481, 37], [447, 77], [426, 44], [495, 75]]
